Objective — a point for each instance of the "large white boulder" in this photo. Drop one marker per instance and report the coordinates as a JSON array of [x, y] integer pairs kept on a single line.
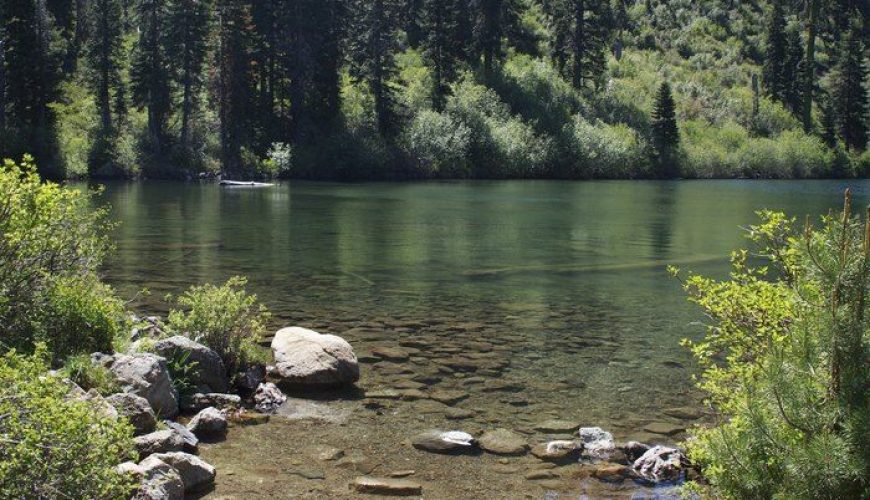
[[306, 358]]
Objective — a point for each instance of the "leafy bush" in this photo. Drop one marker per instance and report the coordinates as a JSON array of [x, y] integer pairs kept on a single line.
[[439, 143], [606, 150], [54, 447], [785, 364], [88, 375], [52, 242], [224, 318]]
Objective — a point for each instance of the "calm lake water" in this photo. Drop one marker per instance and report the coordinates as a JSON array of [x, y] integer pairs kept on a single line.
[[532, 300]]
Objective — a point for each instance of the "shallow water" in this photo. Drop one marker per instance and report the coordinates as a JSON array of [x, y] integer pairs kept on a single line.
[[527, 300]]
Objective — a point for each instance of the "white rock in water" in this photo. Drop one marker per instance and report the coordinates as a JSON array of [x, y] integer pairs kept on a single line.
[[597, 443], [458, 437], [309, 359]]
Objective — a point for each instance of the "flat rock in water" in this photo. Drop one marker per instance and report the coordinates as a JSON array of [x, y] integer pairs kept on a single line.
[[386, 486], [597, 443], [396, 354], [438, 441], [503, 442], [683, 413], [660, 463], [557, 426], [448, 397]]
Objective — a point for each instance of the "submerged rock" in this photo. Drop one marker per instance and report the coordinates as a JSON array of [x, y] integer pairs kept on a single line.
[[195, 473], [146, 375], [268, 398], [557, 426], [135, 409], [438, 441], [208, 422], [558, 451], [503, 442], [207, 372], [309, 359], [386, 486], [660, 463]]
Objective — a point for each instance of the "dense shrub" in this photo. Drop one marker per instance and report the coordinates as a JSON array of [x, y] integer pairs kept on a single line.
[[52, 446], [89, 375], [225, 318], [439, 143], [51, 243], [785, 364], [602, 150]]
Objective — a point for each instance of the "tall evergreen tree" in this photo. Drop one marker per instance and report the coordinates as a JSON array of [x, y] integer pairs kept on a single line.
[[2, 86], [850, 93], [792, 71], [31, 76], [809, 67], [413, 22], [105, 59], [372, 47], [187, 41], [776, 47], [581, 35], [235, 83], [665, 134], [149, 73], [440, 48], [492, 16]]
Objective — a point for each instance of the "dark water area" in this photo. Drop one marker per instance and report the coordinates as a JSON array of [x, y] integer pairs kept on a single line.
[[530, 300]]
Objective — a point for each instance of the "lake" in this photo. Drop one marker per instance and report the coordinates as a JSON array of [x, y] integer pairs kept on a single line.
[[514, 302]]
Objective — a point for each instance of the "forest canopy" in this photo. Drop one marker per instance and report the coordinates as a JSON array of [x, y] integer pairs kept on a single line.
[[364, 89]]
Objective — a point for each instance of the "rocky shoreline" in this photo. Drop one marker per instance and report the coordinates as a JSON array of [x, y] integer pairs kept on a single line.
[[169, 428]]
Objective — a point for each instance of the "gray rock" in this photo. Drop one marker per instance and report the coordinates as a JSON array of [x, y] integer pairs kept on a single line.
[[158, 481], [135, 409], [438, 441], [634, 450], [268, 398], [191, 442], [158, 442], [306, 358], [195, 473], [95, 400], [208, 373], [597, 443], [208, 422], [503, 442], [248, 381], [103, 359], [146, 375], [660, 463], [200, 401], [386, 486]]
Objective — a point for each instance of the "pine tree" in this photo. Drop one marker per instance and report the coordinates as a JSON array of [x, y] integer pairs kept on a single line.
[[776, 47], [440, 48], [373, 44], [187, 41], [666, 135], [582, 30], [849, 93], [235, 83], [494, 19], [105, 59], [792, 71], [809, 66], [413, 26], [32, 73], [149, 73]]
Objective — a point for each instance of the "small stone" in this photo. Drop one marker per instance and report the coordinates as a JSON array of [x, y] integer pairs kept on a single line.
[[386, 486], [458, 414], [384, 394], [329, 453], [597, 443], [191, 442], [503, 442], [533, 475], [683, 413], [394, 354], [268, 398], [200, 401], [438, 441], [403, 473], [611, 473], [208, 422], [448, 397]]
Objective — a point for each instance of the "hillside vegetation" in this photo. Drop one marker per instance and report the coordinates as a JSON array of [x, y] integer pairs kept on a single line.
[[398, 89]]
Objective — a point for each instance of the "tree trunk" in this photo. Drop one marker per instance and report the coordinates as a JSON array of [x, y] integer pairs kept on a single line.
[[2, 87], [810, 62], [578, 42]]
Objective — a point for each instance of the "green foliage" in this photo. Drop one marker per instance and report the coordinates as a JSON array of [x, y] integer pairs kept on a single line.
[[599, 150], [224, 318], [785, 363], [88, 375], [54, 446], [52, 242], [182, 373], [665, 134], [439, 143]]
